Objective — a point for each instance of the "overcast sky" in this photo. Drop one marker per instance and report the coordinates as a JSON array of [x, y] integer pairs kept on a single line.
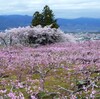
[[61, 8]]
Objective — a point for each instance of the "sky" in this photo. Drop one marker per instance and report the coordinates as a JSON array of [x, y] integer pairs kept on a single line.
[[61, 8]]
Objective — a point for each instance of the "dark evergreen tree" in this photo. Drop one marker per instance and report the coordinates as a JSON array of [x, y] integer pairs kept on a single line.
[[46, 18], [54, 24], [37, 19]]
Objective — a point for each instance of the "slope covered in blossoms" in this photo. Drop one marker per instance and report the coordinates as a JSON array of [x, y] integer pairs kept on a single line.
[[61, 70]]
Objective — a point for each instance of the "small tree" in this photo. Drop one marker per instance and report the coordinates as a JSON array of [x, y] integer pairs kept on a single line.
[[45, 18], [37, 19]]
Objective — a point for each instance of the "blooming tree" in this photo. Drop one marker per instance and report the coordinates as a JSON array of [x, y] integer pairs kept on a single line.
[[36, 35]]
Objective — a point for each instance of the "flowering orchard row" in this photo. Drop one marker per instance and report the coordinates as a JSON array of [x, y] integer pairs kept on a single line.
[[61, 71]]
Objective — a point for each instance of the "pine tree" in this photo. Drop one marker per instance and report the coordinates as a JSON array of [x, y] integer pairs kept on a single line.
[[37, 19], [48, 17], [45, 18]]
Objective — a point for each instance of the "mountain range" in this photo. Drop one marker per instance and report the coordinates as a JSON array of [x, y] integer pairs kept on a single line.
[[67, 25]]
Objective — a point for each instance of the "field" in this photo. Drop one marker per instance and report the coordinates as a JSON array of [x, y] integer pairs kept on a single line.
[[56, 71]]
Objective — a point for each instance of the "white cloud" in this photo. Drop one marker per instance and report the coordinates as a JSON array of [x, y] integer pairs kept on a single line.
[[59, 6]]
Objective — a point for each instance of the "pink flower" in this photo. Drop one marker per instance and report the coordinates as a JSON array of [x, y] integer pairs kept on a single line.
[[12, 95], [3, 91], [20, 85], [33, 97]]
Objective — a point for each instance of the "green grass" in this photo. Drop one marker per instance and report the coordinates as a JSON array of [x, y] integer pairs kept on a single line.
[[55, 78]]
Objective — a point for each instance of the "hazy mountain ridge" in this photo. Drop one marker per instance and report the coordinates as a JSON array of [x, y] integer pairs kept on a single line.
[[11, 21], [80, 24], [68, 25]]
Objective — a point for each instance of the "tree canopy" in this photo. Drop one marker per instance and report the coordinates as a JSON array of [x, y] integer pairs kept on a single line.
[[36, 19], [45, 18]]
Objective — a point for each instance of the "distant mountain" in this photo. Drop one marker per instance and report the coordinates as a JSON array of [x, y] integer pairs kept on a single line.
[[80, 25], [68, 25], [11, 21]]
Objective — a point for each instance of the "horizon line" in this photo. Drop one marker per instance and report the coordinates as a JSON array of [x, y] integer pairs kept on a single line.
[[55, 17]]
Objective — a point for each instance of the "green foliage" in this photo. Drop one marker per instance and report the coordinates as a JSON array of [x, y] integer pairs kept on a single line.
[[44, 95], [45, 18], [37, 19]]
